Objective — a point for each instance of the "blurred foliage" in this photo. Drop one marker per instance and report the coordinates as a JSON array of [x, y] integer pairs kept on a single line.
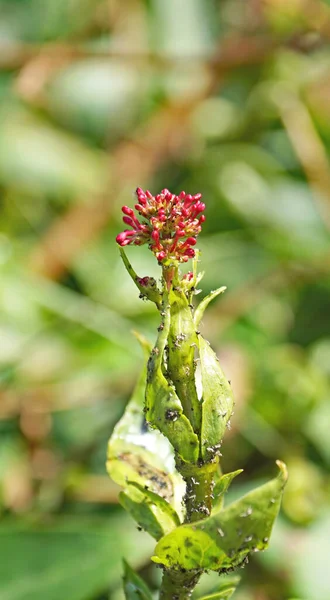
[[229, 98]]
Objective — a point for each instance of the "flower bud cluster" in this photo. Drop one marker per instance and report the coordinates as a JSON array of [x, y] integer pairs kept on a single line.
[[170, 224]]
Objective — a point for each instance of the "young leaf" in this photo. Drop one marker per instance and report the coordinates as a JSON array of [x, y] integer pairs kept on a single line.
[[134, 587], [217, 401], [224, 595], [146, 285], [152, 512], [220, 489], [199, 312], [163, 407], [224, 540]]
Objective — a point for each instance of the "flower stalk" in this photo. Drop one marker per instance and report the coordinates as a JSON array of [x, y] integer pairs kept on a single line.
[[204, 535]]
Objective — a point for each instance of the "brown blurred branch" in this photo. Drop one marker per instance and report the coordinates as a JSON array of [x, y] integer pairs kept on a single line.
[[235, 51], [308, 147], [134, 161]]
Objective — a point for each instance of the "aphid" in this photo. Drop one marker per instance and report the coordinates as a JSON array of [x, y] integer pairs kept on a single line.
[[171, 415], [247, 513], [194, 481]]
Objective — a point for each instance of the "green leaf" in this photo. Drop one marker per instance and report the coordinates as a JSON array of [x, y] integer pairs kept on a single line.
[[220, 489], [68, 558], [224, 540], [152, 512], [199, 312], [134, 587], [150, 290], [215, 583], [163, 407], [217, 401], [136, 453]]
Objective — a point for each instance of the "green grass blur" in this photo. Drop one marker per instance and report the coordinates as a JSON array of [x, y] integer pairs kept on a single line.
[[229, 98]]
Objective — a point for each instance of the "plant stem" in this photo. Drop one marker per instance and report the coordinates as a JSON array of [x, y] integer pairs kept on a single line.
[[199, 487], [177, 585]]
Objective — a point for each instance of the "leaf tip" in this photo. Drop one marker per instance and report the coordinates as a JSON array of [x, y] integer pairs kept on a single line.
[[144, 343], [283, 475], [157, 560]]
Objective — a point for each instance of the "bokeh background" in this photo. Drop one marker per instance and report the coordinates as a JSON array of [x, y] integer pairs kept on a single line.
[[229, 98]]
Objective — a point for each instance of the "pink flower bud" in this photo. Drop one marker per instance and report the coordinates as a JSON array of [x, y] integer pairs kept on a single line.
[[161, 255], [141, 196], [191, 241], [161, 221], [190, 252], [189, 276], [124, 238], [128, 211], [129, 221]]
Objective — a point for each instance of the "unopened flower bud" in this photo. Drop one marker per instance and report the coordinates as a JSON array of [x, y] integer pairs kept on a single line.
[[170, 224]]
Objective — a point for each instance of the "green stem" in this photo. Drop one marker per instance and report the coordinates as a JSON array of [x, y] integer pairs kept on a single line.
[[177, 585], [182, 341], [199, 479], [199, 489]]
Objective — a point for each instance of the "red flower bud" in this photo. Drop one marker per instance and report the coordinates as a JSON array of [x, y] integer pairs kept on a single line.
[[161, 255], [129, 221], [162, 221], [124, 238], [189, 252], [128, 211]]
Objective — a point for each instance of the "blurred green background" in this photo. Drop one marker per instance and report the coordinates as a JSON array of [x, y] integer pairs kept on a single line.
[[229, 98]]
